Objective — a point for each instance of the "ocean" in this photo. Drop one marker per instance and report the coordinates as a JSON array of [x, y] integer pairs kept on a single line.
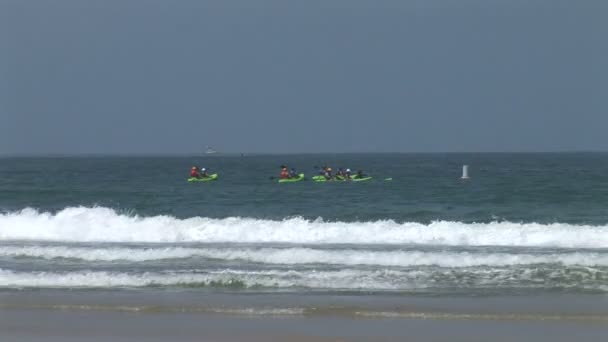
[[522, 225]]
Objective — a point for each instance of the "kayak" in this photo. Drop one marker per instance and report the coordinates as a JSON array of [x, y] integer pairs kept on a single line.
[[340, 178], [361, 179], [206, 179], [292, 180]]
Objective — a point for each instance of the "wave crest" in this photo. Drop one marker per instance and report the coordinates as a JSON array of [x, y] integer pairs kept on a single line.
[[82, 224]]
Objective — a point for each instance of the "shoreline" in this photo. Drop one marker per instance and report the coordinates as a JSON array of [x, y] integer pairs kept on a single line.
[[157, 315], [153, 300], [189, 315]]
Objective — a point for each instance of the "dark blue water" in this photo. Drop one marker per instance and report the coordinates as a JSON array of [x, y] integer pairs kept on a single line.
[[544, 188], [523, 223]]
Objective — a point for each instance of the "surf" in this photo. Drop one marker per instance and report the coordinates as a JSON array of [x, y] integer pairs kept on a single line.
[[304, 256], [99, 224], [379, 279]]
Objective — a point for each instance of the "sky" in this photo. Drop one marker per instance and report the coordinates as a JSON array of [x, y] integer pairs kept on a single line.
[[163, 77]]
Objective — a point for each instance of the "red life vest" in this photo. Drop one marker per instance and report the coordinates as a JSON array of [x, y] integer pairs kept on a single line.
[[194, 173], [284, 174]]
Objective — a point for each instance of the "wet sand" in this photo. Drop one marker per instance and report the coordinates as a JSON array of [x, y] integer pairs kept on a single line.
[[190, 316]]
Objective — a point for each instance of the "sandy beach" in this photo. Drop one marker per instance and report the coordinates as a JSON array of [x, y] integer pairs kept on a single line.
[[188, 316]]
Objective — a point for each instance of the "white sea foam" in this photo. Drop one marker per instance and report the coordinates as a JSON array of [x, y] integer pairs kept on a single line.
[[80, 224], [345, 279], [296, 256]]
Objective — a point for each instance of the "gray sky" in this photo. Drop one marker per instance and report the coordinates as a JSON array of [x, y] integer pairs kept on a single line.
[[303, 76]]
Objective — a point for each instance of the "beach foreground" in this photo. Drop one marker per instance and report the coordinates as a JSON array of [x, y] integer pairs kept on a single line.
[[190, 316]]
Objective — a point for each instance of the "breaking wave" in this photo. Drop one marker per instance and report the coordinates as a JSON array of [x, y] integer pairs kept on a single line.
[[82, 224], [299, 256]]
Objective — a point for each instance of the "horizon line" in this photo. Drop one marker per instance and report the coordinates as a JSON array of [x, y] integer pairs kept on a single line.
[[244, 154]]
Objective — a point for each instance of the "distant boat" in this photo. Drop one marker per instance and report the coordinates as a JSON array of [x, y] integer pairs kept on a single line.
[[210, 150]]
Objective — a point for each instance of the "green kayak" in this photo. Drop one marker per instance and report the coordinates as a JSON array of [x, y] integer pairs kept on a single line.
[[292, 180], [356, 179], [205, 179], [319, 178], [340, 179]]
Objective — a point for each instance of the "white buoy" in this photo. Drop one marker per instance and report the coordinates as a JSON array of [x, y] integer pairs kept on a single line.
[[465, 172]]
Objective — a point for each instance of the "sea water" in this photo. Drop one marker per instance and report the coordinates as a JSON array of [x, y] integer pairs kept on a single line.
[[523, 224]]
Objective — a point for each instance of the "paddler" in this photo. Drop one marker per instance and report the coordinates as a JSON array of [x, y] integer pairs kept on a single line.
[[292, 173], [204, 173], [347, 174], [327, 173], [284, 172], [340, 173], [194, 173], [360, 174]]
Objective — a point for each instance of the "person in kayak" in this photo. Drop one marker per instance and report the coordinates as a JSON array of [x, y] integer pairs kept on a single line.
[[340, 173], [204, 173], [347, 174], [284, 172], [292, 173], [328, 174], [194, 172]]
